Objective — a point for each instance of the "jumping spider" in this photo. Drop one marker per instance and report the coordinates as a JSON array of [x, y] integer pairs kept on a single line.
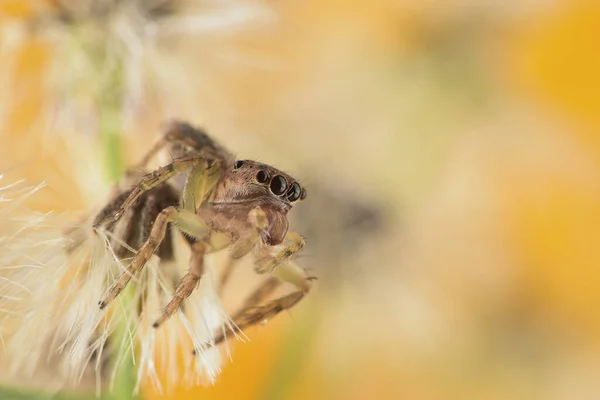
[[222, 203]]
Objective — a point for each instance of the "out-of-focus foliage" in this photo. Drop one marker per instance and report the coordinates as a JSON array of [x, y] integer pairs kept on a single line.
[[451, 154]]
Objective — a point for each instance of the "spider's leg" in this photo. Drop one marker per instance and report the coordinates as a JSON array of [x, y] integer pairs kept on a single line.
[[252, 313], [217, 240], [188, 282], [158, 146], [186, 221], [270, 262], [116, 200], [256, 297], [151, 180], [226, 274], [259, 295], [187, 136]]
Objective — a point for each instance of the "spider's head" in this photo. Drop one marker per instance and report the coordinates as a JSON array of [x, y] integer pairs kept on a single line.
[[247, 184], [258, 184]]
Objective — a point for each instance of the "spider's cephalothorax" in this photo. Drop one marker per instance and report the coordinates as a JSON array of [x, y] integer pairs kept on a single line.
[[223, 203]]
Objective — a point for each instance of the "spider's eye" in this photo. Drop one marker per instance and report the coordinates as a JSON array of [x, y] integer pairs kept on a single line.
[[278, 185], [303, 195], [294, 192], [262, 177], [238, 164]]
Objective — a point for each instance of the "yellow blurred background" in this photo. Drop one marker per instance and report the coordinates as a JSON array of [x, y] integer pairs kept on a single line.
[[451, 152]]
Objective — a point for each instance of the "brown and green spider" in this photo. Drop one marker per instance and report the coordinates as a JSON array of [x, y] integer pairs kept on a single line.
[[217, 203]]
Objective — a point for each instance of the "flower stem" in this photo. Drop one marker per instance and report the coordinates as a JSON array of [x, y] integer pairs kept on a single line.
[[112, 143], [125, 377]]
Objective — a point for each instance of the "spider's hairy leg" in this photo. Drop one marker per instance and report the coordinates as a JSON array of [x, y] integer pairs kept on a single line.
[[184, 134], [177, 132], [215, 240], [259, 295], [254, 314], [186, 221], [113, 205], [226, 274], [256, 297], [149, 181], [270, 262], [188, 282]]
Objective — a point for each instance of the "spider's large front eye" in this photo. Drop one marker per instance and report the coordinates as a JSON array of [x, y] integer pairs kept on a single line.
[[278, 185], [294, 192], [238, 164], [262, 177]]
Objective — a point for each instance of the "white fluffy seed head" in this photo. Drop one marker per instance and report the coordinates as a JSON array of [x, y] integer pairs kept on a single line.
[[51, 279]]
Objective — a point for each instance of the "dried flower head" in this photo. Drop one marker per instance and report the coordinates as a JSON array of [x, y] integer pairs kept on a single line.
[[50, 285]]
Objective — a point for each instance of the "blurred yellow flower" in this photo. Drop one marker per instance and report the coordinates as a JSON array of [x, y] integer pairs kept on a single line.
[[556, 58]]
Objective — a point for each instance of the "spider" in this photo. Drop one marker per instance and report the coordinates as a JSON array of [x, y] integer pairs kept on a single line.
[[217, 202]]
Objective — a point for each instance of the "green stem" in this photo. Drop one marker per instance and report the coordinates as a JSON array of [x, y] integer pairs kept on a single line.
[[125, 375], [112, 143]]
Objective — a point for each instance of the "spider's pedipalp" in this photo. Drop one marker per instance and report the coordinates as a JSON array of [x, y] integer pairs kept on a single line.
[[270, 262]]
